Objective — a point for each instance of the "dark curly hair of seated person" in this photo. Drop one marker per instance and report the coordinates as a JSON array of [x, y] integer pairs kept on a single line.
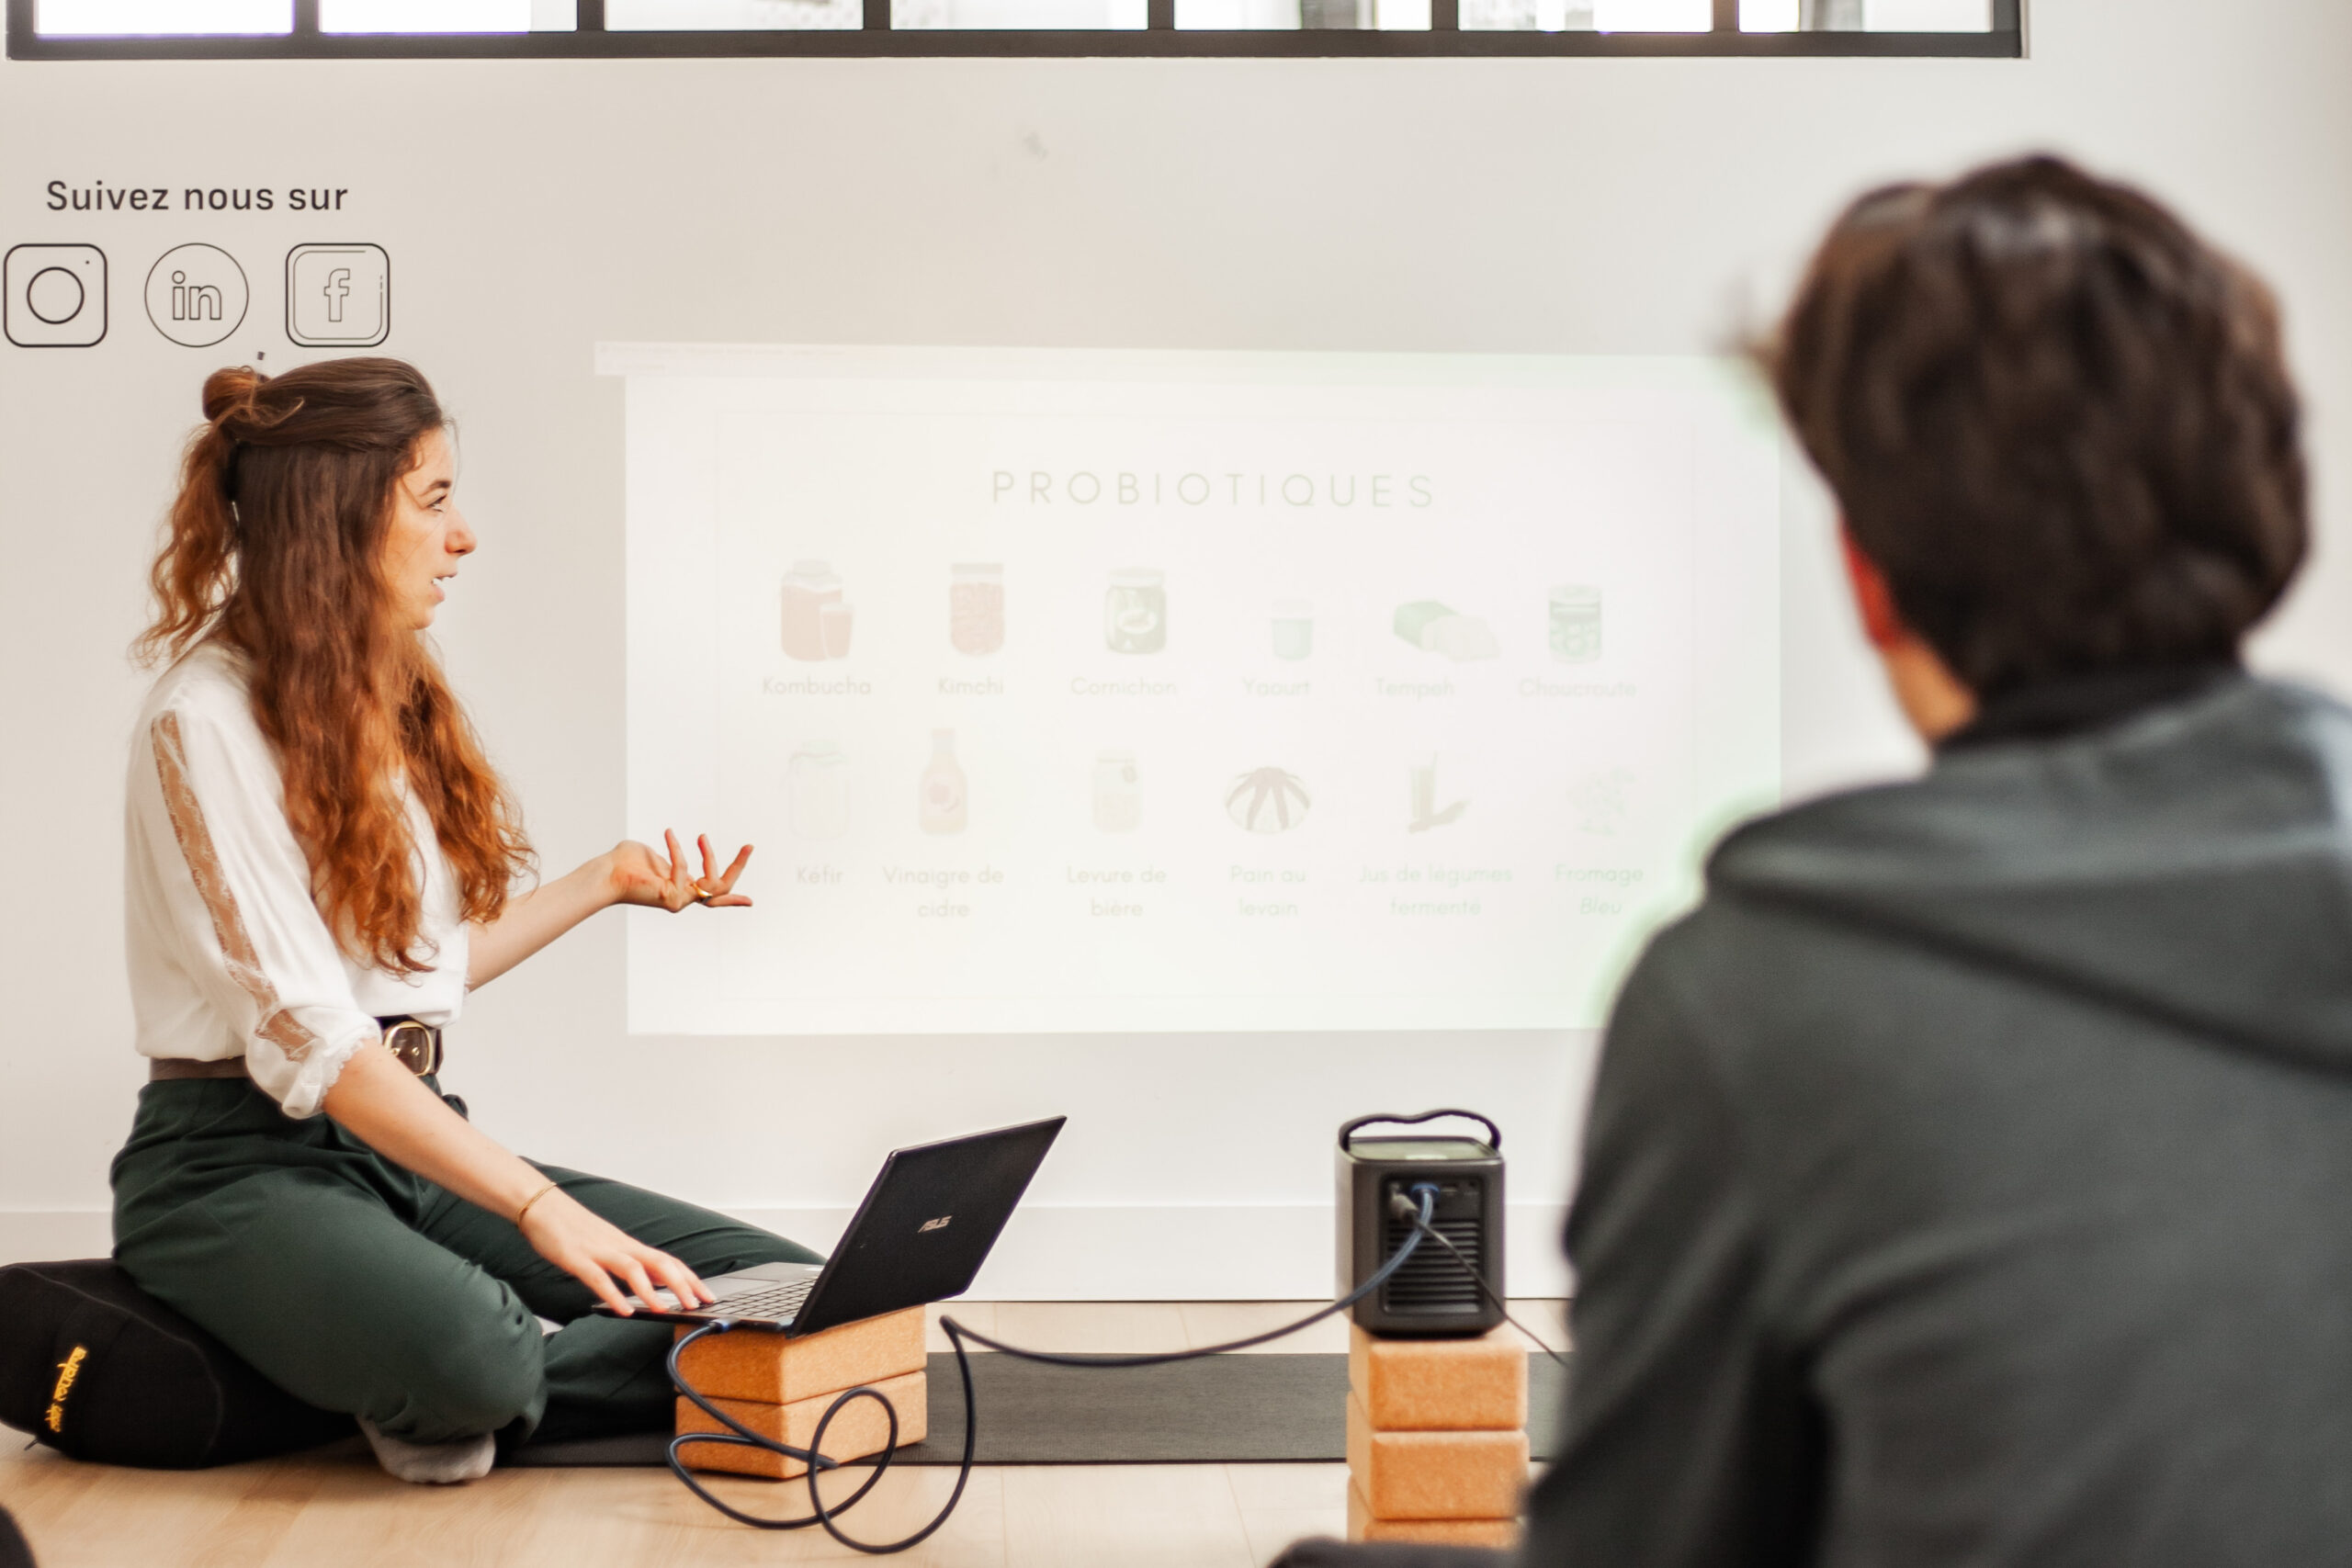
[[2054, 418]]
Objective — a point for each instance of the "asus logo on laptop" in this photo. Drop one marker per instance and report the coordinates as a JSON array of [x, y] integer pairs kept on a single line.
[[938, 1225]]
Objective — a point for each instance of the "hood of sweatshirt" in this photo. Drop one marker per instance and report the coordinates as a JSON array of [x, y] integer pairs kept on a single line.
[[2192, 863]]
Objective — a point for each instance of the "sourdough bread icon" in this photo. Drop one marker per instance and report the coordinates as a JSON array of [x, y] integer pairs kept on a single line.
[[1267, 800]]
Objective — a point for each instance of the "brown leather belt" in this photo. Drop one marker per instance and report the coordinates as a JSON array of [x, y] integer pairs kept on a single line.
[[416, 1046], [171, 1070]]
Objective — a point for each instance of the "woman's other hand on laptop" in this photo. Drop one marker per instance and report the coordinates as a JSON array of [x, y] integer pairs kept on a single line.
[[605, 1258]]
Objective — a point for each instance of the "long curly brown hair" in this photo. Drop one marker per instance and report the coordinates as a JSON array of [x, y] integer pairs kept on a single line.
[[274, 550]]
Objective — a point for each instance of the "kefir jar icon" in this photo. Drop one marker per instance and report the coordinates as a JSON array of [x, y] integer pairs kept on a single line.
[[1575, 622], [1118, 793], [976, 608], [816, 622], [817, 788], [1134, 612]]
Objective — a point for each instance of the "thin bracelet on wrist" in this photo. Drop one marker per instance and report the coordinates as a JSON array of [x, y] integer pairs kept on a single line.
[[531, 1199]]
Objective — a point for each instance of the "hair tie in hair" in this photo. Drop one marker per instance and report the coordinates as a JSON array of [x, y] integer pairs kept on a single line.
[[228, 467]]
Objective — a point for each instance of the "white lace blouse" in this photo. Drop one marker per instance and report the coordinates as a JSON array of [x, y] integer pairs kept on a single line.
[[229, 955]]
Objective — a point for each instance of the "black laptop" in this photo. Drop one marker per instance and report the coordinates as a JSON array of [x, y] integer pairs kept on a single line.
[[920, 1236]]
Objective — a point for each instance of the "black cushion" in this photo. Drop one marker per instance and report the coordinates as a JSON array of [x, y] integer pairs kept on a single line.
[[95, 1368], [14, 1553]]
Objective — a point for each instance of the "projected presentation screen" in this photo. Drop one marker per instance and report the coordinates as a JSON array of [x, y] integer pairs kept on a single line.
[[1130, 692]]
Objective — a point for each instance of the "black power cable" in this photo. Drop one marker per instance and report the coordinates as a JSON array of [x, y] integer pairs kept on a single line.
[[1404, 1208], [1425, 1207], [1420, 1208]]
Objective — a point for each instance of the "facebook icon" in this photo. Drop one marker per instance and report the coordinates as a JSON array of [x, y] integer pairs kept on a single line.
[[338, 296]]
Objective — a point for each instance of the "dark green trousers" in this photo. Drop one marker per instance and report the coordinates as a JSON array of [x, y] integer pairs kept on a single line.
[[357, 1286]]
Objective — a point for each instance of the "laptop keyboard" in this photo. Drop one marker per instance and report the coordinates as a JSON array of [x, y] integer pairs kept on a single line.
[[779, 1303]]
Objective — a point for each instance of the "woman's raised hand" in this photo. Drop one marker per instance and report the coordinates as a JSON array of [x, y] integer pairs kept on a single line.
[[640, 874]]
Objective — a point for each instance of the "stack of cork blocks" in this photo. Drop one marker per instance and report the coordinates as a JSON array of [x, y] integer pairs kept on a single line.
[[1437, 1439], [780, 1388]]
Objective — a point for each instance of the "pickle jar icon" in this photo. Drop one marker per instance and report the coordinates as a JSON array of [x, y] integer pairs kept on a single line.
[[1134, 612]]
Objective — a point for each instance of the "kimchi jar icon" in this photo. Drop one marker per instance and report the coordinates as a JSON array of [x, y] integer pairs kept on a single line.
[[1267, 800]]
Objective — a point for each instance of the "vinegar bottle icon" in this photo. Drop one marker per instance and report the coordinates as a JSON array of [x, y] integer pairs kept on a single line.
[[941, 798]]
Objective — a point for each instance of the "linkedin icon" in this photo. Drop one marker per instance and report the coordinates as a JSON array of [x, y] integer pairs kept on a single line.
[[338, 296], [197, 295]]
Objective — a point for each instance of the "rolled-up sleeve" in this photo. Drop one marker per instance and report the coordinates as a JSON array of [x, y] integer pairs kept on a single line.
[[236, 889]]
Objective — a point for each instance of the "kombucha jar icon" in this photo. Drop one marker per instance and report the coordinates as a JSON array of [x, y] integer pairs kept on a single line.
[[1118, 793], [1134, 612], [1575, 622], [941, 798], [976, 608], [816, 622], [816, 789], [1293, 628]]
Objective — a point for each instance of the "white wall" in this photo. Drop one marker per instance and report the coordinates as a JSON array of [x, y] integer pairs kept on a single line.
[[1582, 206]]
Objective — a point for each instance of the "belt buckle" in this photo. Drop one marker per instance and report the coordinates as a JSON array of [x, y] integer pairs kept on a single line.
[[414, 1047]]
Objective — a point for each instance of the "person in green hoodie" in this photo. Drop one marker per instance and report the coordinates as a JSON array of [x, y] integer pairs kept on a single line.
[[1966, 1175]]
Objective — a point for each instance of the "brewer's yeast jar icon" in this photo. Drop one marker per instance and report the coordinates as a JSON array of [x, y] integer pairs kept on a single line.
[[1118, 793]]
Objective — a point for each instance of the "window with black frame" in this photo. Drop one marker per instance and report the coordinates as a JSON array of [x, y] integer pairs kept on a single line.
[[83, 29]]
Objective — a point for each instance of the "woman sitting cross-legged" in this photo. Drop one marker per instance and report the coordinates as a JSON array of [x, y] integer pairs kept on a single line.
[[320, 865]]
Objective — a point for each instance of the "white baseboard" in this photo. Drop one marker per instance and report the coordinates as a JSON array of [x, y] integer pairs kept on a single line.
[[1193, 1252]]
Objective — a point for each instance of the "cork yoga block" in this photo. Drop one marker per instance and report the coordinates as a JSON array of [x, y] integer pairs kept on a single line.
[[1435, 1475], [1440, 1385], [770, 1368], [1362, 1526], [860, 1429]]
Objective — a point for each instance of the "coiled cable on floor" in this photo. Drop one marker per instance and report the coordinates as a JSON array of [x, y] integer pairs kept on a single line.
[[823, 1514]]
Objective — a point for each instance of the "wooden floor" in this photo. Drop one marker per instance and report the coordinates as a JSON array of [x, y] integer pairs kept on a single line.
[[334, 1506]]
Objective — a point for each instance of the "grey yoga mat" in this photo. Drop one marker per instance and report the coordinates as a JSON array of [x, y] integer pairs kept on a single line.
[[1221, 1409]]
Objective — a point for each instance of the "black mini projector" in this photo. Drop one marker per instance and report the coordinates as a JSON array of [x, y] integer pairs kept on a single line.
[[1432, 1295]]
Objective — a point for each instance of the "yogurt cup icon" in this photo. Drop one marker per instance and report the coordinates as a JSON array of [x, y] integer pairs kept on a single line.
[[1293, 628]]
